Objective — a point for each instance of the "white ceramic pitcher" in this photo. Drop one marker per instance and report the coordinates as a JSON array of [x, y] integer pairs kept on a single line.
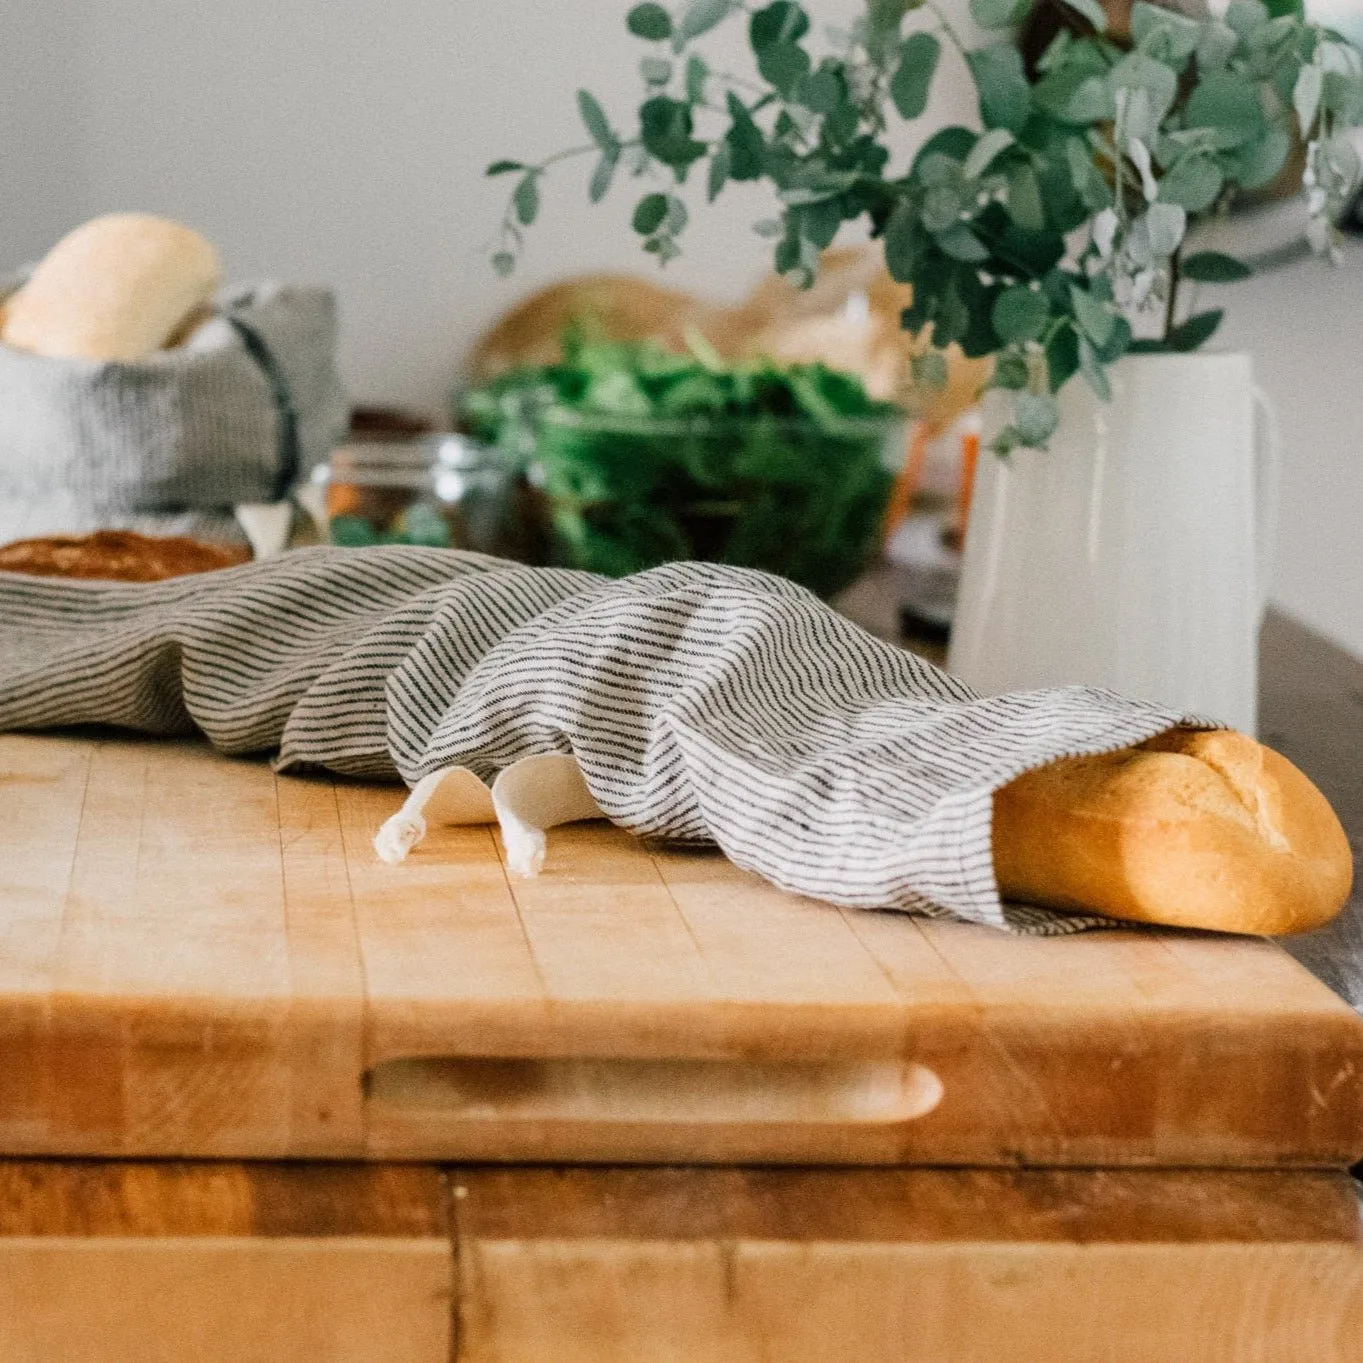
[[1135, 552]]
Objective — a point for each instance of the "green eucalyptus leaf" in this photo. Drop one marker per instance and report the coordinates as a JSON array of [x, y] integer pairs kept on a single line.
[[1117, 344], [1214, 267], [1306, 97], [1342, 158], [1001, 81], [697, 73], [942, 206], [783, 65], [1258, 162], [1011, 369], [1026, 206], [526, 200], [1342, 95], [665, 128], [1076, 95], [985, 151], [1138, 73], [999, 13], [769, 228], [1020, 314], [1228, 102], [1196, 331], [937, 168], [1092, 369], [912, 79], [883, 20], [649, 214], [822, 91], [1246, 17], [650, 22], [960, 243], [1216, 46], [599, 185], [1057, 53], [504, 167], [1091, 10], [1164, 34], [1087, 179], [777, 25], [1166, 224], [595, 120], [721, 163], [906, 243], [747, 146], [700, 16], [1194, 183], [504, 263], [1062, 357], [1033, 254], [953, 142], [1036, 415], [1095, 318], [677, 216], [951, 313]]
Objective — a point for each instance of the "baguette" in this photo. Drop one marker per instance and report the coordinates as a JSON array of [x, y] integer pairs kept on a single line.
[[1190, 829], [116, 288]]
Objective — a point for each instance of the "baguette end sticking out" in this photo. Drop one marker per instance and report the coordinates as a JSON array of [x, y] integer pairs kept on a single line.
[[117, 288], [1189, 829]]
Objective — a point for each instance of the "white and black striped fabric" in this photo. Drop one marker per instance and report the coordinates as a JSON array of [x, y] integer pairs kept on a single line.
[[704, 704]]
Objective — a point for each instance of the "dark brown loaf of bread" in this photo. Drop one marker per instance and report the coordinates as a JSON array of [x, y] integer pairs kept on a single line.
[[1192, 829], [117, 555]]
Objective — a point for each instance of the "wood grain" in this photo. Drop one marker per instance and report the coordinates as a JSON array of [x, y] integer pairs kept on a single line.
[[912, 1266], [203, 959], [159, 1263]]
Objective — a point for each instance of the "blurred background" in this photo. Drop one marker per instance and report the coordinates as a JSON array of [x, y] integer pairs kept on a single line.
[[345, 145]]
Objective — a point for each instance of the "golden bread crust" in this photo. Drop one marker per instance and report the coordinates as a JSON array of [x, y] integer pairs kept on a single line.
[[1191, 829]]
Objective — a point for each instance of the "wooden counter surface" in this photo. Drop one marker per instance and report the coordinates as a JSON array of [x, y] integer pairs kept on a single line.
[[200, 958]]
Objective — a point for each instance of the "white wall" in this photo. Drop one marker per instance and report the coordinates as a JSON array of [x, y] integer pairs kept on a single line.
[[42, 154], [344, 143]]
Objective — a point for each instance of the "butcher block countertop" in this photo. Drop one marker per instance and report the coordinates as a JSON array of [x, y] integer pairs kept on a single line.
[[201, 958]]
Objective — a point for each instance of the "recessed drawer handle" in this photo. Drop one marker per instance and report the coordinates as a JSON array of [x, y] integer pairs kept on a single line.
[[656, 1091]]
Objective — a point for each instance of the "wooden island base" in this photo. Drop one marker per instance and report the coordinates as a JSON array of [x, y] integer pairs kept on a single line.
[[131, 1262]]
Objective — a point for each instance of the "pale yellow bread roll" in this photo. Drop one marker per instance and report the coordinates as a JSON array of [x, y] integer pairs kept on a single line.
[[1197, 830], [117, 288]]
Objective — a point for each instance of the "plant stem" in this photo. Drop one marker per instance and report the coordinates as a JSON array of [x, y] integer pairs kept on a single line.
[[950, 32], [1171, 303], [570, 151]]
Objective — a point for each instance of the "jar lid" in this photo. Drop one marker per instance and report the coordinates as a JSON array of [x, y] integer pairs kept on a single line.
[[446, 451], [380, 456]]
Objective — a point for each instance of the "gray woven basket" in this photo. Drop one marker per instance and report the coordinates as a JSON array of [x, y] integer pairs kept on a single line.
[[239, 414]]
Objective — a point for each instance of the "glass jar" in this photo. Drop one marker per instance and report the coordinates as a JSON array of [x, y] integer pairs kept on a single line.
[[443, 491]]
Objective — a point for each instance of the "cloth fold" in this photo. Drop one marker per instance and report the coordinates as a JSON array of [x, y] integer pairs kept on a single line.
[[702, 704]]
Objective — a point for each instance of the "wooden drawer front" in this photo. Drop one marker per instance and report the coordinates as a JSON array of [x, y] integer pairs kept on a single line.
[[167, 1263], [911, 1266], [148, 1263]]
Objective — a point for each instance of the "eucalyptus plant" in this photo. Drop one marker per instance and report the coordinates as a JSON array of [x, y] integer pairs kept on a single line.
[[1037, 238]]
